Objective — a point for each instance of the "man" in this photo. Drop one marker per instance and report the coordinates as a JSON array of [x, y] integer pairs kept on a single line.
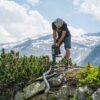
[[61, 35]]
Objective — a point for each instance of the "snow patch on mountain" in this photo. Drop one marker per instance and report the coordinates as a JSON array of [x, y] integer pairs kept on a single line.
[[81, 46]]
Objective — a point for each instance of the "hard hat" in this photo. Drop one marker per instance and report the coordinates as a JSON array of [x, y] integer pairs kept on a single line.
[[58, 23]]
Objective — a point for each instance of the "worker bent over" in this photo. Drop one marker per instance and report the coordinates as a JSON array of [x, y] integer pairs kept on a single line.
[[61, 35]]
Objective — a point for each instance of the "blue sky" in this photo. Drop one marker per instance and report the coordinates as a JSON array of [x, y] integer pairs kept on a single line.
[[65, 9], [20, 19]]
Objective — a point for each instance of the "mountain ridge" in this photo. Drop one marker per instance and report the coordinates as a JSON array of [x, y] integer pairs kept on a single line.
[[82, 46]]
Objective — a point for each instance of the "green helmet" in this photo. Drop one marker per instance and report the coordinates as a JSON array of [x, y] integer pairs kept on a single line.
[[58, 22]]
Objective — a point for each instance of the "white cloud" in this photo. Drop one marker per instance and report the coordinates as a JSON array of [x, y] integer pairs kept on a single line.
[[90, 7], [32, 2], [20, 23], [5, 36], [17, 23], [76, 2], [76, 31]]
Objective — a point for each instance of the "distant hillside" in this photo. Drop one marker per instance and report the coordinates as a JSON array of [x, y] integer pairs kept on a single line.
[[93, 57], [82, 46]]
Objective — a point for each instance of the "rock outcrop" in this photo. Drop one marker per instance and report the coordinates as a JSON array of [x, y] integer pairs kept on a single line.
[[61, 88]]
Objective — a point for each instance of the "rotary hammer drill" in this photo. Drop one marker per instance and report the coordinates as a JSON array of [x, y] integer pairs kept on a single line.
[[55, 53]]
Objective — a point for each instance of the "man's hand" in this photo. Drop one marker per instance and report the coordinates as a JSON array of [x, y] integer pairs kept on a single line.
[[56, 45]]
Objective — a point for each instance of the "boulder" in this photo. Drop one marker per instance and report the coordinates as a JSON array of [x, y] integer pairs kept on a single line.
[[83, 93], [65, 92], [96, 95], [19, 95], [30, 91], [55, 82]]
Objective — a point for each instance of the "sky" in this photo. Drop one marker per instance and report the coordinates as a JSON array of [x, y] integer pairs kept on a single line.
[[20, 19]]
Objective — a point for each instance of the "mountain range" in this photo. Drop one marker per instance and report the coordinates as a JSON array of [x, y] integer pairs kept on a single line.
[[85, 47]]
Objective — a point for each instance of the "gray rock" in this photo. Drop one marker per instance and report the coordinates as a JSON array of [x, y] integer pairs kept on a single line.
[[96, 95], [40, 97], [33, 89], [47, 96], [79, 95], [55, 82], [82, 93], [52, 96], [65, 92], [19, 96], [30, 91]]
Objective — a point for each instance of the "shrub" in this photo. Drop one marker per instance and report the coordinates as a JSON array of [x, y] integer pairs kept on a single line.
[[90, 77], [17, 72]]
